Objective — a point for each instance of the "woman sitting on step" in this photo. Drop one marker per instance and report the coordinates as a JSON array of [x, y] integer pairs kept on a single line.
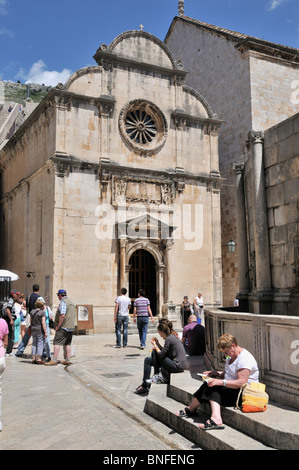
[[222, 388], [167, 359]]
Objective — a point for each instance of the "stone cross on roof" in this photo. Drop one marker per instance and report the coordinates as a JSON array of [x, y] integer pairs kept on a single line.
[[181, 7]]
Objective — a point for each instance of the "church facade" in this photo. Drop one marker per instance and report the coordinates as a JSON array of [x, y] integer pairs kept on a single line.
[[113, 181]]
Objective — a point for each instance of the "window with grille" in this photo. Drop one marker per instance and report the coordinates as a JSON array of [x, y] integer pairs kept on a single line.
[[143, 126]]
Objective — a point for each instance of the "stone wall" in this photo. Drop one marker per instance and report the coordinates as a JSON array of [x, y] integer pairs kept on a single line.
[[281, 156], [272, 339], [250, 85], [281, 169], [274, 85], [214, 65]]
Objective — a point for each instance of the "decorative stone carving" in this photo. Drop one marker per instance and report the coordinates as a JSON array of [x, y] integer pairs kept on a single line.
[[180, 186], [143, 126], [62, 169], [255, 136], [127, 190]]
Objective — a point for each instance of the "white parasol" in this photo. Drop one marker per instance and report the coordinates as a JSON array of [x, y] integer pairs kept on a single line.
[[5, 273]]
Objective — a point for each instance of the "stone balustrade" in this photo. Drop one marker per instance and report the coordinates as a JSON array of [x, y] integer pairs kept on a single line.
[[272, 339]]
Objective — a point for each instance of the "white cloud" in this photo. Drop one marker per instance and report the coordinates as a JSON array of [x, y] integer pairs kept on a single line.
[[39, 74], [7, 32], [275, 4], [3, 7]]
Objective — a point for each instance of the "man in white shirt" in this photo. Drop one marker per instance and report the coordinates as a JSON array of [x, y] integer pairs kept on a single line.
[[121, 317], [198, 307]]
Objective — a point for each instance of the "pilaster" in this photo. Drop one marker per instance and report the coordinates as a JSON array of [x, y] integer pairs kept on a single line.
[[243, 264], [262, 296]]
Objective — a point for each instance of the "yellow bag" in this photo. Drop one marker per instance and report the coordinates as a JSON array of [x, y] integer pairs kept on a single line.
[[254, 398]]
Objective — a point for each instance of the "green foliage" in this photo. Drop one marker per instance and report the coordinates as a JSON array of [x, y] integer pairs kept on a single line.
[[18, 92]]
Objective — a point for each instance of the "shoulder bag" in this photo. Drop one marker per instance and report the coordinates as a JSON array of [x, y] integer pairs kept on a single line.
[[254, 398]]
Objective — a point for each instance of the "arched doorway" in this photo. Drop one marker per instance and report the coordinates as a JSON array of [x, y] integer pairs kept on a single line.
[[142, 275]]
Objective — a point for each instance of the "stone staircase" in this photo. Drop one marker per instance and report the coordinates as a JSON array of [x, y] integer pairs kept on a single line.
[[275, 429], [152, 327]]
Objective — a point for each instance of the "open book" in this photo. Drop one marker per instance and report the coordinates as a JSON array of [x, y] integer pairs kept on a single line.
[[204, 377]]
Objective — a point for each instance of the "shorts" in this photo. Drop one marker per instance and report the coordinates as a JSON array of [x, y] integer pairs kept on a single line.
[[63, 337]]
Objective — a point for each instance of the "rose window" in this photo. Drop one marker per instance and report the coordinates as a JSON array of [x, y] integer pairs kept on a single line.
[[143, 126], [140, 127]]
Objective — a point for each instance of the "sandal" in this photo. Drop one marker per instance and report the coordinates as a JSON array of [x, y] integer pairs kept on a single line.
[[208, 426], [39, 362], [185, 413]]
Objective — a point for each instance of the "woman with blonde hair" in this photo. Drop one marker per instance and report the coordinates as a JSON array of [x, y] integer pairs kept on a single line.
[[38, 331], [222, 387]]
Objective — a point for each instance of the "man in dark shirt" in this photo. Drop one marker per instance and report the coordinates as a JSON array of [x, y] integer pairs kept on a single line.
[[30, 304], [195, 336], [32, 298]]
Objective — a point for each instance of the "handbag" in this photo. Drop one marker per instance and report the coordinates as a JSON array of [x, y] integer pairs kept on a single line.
[[254, 398], [51, 322]]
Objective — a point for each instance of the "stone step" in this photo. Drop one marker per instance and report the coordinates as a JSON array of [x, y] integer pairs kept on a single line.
[[152, 327], [163, 408], [276, 428]]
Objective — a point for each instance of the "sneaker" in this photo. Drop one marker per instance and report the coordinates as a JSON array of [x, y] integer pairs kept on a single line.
[[116, 346], [152, 379], [156, 379], [141, 390], [51, 363]]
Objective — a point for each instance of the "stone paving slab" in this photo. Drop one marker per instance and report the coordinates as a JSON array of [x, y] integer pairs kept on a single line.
[[89, 405]]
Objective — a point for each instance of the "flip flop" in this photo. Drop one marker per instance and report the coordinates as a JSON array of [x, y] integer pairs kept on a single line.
[[185, 413], [211, 425]]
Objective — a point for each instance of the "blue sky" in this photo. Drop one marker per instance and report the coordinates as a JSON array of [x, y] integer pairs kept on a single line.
[[45, 41]]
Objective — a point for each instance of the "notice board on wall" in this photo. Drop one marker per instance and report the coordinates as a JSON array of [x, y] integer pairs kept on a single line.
[[84, 317]]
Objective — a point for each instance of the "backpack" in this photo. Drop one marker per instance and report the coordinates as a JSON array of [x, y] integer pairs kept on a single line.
[[3, 312]]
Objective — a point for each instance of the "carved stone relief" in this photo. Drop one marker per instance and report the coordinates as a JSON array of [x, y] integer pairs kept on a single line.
[[145, 191]]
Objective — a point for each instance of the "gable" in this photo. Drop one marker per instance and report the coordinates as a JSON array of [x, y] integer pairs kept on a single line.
[[140, 47]]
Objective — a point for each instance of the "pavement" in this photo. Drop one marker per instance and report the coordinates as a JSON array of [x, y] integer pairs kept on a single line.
[[91, 405], [87, 405]]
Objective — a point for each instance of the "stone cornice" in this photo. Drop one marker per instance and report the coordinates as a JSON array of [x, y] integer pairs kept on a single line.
[[243, 41], [182, 115], [115, 169], [110, 60], [269, 50]]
